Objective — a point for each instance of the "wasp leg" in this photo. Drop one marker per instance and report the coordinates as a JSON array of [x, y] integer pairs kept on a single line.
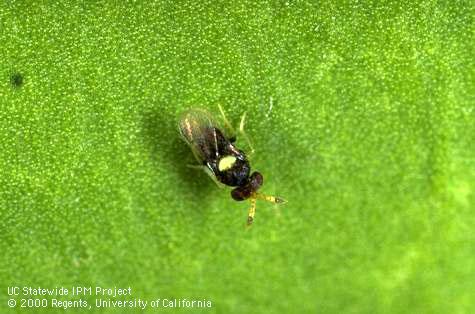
[[232, 136], [227, 124], [252, 212], [209, 173], [243, 133], [200, 167]]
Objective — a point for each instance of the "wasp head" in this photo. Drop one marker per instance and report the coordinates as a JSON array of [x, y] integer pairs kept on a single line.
[[246, 190]]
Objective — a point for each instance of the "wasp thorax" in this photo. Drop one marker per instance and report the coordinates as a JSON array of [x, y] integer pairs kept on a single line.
[[227, 162]]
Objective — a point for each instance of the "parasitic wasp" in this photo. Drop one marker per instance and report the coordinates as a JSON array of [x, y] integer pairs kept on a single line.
[[218, 156]]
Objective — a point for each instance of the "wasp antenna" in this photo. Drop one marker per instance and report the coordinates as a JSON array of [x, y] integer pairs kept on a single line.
[[271, 198], [252, 212], [280, 200]]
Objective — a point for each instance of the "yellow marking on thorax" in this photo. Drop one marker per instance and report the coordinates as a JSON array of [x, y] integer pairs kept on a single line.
[[226, 162]]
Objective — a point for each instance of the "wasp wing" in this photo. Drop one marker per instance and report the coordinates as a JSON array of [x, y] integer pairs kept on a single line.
[[199, 130]]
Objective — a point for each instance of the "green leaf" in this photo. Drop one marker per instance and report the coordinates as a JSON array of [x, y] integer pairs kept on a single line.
[[361, 115]]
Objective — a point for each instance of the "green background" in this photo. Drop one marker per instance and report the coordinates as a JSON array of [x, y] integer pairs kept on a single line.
[[369, 137]]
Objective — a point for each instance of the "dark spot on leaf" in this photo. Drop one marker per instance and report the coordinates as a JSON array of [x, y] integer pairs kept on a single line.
[[16, 79]]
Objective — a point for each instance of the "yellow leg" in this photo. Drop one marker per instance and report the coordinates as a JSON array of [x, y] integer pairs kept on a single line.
[[241, 130], [252, 212], [227, 124]]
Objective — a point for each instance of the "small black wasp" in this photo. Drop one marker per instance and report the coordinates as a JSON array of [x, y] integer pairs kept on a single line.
[[221, 159]]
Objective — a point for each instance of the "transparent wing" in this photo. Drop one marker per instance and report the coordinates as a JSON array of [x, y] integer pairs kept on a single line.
[[198, 129]]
